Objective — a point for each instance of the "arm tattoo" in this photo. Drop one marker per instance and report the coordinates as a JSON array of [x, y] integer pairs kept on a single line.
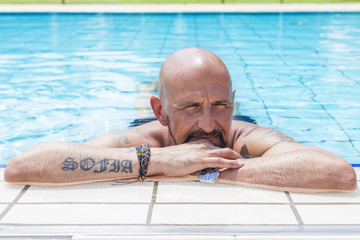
[[277, 136], [130, 150], [122, 139], [69, 164], [86, 164]]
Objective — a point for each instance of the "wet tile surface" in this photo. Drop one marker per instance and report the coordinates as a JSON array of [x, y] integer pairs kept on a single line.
[[2, 170], [3, 207], [100, 192], [339, 197], [329, 214], [221, 193], [185, 204], [8, 192], [77, 214], [222, 214], [357, 170]]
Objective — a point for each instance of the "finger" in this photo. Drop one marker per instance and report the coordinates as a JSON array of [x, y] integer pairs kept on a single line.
[[204, 142], [225, 153], [220, 162]]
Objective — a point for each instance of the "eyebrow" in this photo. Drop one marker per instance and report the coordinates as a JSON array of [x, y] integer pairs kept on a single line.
[[186, 104], [222, 102]]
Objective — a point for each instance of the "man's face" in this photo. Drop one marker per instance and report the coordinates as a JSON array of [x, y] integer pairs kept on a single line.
[[200, 109]]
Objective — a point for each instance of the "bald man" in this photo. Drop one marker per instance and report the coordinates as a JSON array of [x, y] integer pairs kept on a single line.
[[194, 131]]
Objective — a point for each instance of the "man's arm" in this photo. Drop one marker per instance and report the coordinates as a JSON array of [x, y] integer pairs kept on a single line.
[[65, 163], [280, 163], [61, 163]]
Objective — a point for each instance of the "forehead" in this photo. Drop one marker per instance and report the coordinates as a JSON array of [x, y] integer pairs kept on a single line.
[[199, 90], [195, 77]]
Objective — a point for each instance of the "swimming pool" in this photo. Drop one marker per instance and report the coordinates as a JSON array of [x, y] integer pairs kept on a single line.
[[75, 76]]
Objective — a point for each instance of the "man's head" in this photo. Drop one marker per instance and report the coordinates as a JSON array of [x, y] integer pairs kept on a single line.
[[195, 97]]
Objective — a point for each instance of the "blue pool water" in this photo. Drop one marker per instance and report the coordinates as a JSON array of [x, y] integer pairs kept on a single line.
[[75, 76]]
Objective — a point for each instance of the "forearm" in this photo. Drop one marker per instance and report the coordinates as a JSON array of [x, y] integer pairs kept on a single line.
[[61, 163], [297, 171], [64, 163]]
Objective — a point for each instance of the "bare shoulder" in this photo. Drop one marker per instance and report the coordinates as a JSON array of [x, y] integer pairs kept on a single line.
[[152, 133], [254, 140]]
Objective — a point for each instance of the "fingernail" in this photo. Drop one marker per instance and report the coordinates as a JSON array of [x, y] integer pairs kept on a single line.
[[240, 164]]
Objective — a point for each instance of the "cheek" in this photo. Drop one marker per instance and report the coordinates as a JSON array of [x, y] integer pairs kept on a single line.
[[224, 119], [184, 118], [182, 123], [224, 116]]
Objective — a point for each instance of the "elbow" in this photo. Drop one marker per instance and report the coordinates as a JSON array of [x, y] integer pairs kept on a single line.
[[13, 173], [30, 165], [347, 178]]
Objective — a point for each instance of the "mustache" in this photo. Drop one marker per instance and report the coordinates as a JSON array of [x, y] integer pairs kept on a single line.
[[202, 133]]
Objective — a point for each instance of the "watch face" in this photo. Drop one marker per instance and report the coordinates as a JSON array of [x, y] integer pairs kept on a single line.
[[208, 175]]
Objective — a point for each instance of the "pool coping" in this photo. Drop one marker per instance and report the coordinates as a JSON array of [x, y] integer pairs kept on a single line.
[[177, 8]]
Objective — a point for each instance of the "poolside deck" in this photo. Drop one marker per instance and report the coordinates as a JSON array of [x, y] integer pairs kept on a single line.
[[107, 211], [171, 8]]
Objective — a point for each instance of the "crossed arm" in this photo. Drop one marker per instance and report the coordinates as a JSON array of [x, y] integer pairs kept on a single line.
[[112, 156], [306, 170], [279, 162]]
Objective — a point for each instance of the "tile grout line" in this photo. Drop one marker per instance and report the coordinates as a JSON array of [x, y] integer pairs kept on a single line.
[[185, 203], [294, 210], [167, 225], [153, 201], [173, 203], [11, 205]]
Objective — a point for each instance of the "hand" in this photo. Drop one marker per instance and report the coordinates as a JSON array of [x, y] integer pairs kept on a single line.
[[184, 159]]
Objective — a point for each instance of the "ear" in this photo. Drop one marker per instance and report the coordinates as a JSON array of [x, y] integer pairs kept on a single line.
[[157, 109], [233, 92]]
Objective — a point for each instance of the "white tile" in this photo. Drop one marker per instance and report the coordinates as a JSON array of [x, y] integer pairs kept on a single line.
[[8, 192], [336, 197], [222, 214], [93, 192], [2, 170], [357, 170], [163, 236], [216, 193], [77, 214], [329, 214], [3, 207]]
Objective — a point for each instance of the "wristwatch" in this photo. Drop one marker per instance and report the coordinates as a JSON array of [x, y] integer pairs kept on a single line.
[[208, 175]]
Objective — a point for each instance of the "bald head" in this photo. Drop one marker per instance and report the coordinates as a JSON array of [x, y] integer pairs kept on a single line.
[[196, 98], [189, 65]]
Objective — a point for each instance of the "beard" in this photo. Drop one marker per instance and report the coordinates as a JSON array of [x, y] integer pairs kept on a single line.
[[201, 133]]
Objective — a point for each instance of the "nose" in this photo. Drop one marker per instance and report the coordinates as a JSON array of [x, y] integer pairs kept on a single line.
[[206, 121]]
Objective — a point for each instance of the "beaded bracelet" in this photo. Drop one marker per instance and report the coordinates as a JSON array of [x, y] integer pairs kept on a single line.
[[143, 154]]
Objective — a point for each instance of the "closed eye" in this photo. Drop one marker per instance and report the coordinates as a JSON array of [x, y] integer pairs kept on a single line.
[[220, 106], [192, 107]]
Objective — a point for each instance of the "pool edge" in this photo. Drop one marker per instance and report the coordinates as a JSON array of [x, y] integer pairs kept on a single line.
[[179, 8]]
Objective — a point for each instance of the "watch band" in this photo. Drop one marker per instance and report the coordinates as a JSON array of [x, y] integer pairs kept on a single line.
[[208, 175]]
